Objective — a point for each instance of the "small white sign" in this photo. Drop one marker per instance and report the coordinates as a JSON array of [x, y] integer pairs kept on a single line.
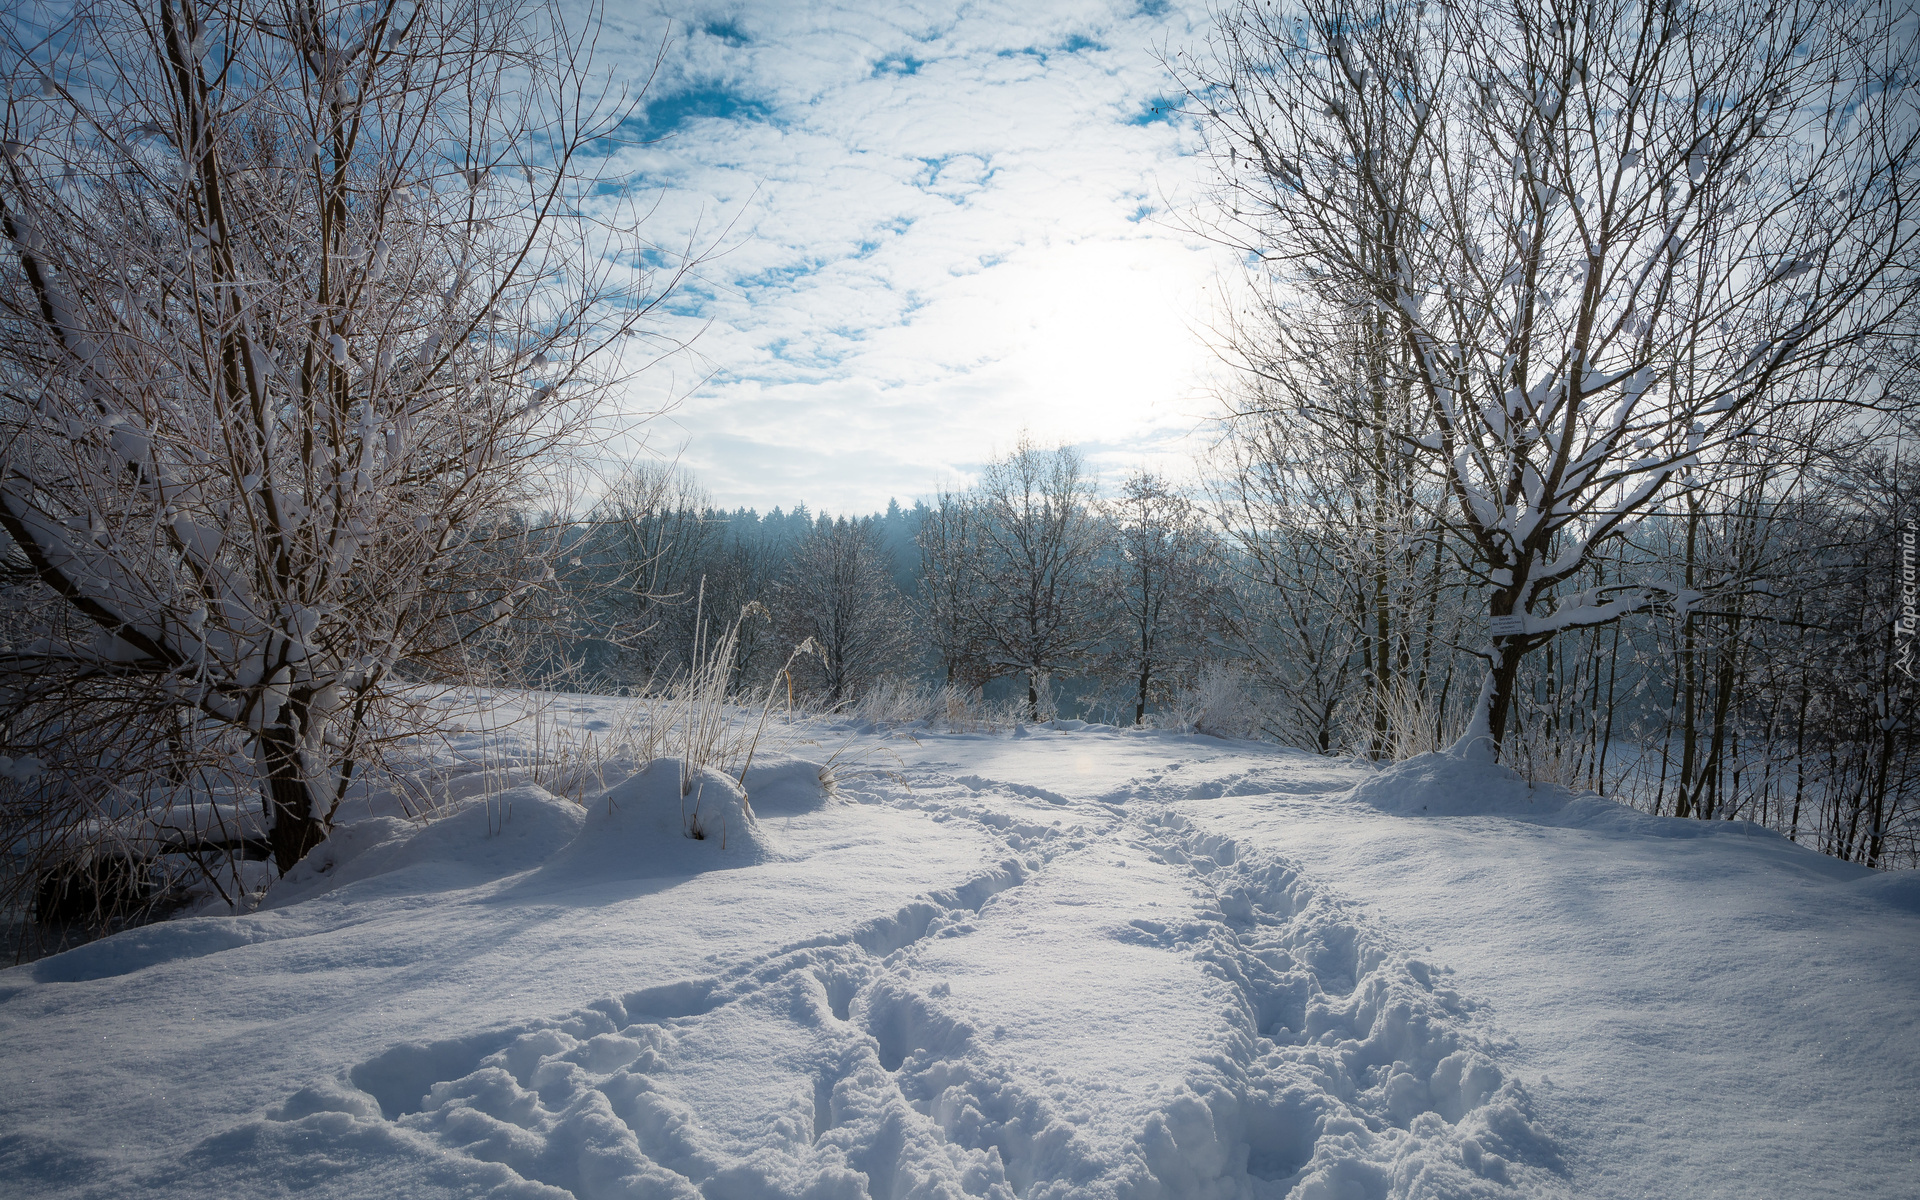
[[1511, 626]]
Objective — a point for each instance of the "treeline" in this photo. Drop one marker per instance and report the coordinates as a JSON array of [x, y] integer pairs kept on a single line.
[[1758, 675], [1028, 585], [658, 569]]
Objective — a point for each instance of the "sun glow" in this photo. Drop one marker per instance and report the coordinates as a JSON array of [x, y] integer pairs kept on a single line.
[[1103, 339]]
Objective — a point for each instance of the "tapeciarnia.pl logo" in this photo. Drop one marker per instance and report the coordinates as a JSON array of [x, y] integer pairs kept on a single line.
[[1909, 621]]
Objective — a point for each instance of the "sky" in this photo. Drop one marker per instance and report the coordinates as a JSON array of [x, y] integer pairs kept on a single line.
[[931, 228]]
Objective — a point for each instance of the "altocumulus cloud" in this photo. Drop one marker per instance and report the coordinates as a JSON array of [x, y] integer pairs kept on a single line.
[[942, 225]]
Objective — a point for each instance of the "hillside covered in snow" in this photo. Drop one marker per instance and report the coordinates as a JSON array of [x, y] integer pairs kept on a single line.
[[1060, 961]]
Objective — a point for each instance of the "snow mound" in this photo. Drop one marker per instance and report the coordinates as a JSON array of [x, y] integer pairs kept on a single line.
[[471, 843], [1901, 889], [647, 828], [787, 788], [1440, 785], [150, 945], [640, 828]]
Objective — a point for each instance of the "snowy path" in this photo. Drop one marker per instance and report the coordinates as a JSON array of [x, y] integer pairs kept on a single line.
[[1059, 964], [1707, 1004]]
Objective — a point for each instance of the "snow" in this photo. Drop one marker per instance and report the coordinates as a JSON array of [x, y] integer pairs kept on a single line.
[[1063, 961]]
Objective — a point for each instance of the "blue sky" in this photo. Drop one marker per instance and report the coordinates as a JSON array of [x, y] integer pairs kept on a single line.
[[944, 224]]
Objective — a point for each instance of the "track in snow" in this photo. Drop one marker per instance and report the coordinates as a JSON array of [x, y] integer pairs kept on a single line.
[[1317, 1057]]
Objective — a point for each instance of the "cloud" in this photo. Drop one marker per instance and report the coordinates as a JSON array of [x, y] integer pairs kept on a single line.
[[938, 227]]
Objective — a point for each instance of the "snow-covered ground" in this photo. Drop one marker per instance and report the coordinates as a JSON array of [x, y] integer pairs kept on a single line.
[[1058, 962]]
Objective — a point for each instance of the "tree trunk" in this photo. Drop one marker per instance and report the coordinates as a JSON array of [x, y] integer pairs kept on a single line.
[[1606, 735], [1876, 827], [1500, 704], [293, 828], [1800, 728], [1726, 659], [1382, 601], [1689, 744], [1488, 725]]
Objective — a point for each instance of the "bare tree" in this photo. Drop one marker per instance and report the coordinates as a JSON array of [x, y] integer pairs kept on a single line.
[[1008, 570], [303, 294], [1351, 593], [949, 542], [838, 590], [1164, 585], [646, 549], [1034, 611], [1609, 239]]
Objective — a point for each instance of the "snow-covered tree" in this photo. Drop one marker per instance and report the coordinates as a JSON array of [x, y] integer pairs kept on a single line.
[[1609, 238], [301, 295]]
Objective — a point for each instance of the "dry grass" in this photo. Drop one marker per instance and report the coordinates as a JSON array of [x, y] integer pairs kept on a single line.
[[696, 719], [947, 707], [1221, 702]]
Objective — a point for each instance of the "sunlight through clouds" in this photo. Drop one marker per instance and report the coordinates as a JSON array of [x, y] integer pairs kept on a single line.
[[935, 230]]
